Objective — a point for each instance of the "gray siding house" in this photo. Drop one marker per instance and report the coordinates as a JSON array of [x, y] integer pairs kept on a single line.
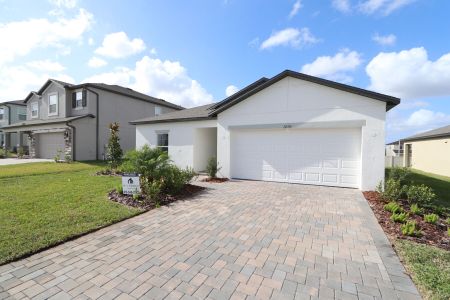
[[73, 119], [12, 112]]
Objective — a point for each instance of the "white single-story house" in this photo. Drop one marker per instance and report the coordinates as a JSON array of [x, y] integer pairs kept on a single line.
[[291, 128]]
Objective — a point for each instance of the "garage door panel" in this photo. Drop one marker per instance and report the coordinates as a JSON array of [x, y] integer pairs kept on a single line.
[[49, 144], [312, 156]]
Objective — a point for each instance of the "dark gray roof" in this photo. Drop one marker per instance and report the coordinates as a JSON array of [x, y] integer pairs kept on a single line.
[[189, 114], [435, 133], [117, 89], [211, 110], [29, 123], [15, 102]]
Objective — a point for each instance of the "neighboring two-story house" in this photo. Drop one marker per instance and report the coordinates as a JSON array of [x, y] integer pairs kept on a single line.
[[73, 120], [12, 112]]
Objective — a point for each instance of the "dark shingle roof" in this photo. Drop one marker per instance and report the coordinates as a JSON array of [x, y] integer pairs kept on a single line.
[[47, 121], [211, 110], [15, 102], [111, 88], [435, 133], [190, 114]]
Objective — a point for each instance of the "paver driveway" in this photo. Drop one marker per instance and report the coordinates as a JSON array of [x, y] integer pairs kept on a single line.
[[235, 240]]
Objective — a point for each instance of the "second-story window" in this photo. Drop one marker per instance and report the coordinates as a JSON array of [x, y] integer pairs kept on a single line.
[[22, 117], [158, 110], [2, 113], [52, 104], [78, 99], [34, 110]]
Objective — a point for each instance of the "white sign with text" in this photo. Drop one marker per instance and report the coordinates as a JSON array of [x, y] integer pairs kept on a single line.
[[131, 184]]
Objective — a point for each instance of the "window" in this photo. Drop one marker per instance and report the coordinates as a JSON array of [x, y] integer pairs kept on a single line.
[[163, 141], [78, 99], [52, 104], [34, 110], [2, 113], [22, 117], [158, 110]]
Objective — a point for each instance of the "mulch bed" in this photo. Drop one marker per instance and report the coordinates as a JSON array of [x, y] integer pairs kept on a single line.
[[432, 234], [188, 191], [214, 180], [108, 173]]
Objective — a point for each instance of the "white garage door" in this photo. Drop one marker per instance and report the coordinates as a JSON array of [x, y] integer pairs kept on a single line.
[[49, 144], [311, 156]]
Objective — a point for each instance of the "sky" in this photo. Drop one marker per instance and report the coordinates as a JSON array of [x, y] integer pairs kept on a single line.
[[194, 52]]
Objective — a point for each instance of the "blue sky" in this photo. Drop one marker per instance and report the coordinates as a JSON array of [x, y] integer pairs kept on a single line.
[[194, 52]]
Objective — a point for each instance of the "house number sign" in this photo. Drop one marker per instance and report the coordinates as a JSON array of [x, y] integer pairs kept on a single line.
[[131, 184]]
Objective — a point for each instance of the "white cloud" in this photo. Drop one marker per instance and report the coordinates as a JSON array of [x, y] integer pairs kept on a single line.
[[91, 41], [295, 9], [385, 40], [410, 74], [18, 81], [230, 90], [425, 117], [118, 45], [64, 3], [334, 67], [341, 5], [418, 121], [385, 7], [96, 62], [46, 65], [26, 36], [168, 80], [293, 37]]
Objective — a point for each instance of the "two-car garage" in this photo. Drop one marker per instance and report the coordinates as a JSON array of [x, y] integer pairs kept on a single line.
[[311, 156]]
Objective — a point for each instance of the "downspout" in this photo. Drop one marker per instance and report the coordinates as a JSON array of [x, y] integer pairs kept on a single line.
[[73, 139], [96, 121]]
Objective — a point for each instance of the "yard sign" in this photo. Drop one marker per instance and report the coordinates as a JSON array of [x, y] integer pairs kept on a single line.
[[131, 184]]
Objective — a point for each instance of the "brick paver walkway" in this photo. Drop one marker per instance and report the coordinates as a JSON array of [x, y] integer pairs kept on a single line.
[[236, 240]]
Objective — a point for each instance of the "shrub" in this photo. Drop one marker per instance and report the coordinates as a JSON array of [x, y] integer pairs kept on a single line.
[[447, 221], [119, 189], [212, 167], [410, 229], [114, 151], [415, 209], [3, 153], [399, 217], [158, 174], [136, 196], [20, 152], [420, 194], [392, 190], [401, 174], [431, 218], [393, 207]]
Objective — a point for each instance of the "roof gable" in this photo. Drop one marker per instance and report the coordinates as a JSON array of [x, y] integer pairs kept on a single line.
[[227, 103]]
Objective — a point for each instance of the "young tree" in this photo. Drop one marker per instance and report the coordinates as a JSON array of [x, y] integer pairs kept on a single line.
[[115, 152]]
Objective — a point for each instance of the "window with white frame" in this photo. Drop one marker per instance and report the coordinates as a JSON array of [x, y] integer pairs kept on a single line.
[[34, 110], [158, 110], [163, 141], [22, 117], [79, 100], [52, 104], [2, 113]]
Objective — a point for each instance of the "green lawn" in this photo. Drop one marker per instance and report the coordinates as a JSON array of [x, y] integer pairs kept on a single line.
[[440, 185], [43, 204], [429, 267]]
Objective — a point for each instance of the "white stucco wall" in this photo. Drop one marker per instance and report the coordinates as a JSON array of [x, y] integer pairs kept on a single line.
[[181, 139], [205, 147], [295, 101]]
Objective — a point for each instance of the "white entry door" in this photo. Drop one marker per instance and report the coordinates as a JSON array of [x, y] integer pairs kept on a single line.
[[310, 156]]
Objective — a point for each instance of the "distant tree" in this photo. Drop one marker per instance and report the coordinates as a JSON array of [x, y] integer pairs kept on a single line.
[[115, 152]]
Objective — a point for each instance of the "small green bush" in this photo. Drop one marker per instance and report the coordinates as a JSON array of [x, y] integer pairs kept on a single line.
[[431, 218], [393, 207], [212, 167], [399, 217], [153, 190], [119, 189], [420, 194], [410, 229], [392, 190], [415, 209], [20, 152], [400, 174], [447, 221], [136, 196]]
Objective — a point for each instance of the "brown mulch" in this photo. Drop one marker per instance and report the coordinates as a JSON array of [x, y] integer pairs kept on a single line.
[[188, 191], [108, 173], [214, 179], [432, 234]]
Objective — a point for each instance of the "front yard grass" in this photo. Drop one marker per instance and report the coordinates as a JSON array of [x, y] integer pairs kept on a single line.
[[43, 204], [429, 266]]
